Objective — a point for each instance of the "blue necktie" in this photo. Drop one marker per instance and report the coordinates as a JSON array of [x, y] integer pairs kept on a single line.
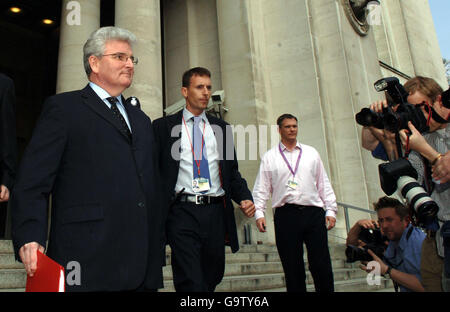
[[203, 159]]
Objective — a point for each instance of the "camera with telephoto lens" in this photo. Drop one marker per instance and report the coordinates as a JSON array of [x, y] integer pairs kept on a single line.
[[400, 174], [389, 119], [374, 240]]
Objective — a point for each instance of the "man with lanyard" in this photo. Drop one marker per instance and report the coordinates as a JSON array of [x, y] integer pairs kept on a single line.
[[294, 175], [199, 181]]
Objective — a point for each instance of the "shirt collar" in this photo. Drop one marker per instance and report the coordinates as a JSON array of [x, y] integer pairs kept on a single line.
[[401, 244], [404, 240], [283, 147], [102, 93], [188, 115]]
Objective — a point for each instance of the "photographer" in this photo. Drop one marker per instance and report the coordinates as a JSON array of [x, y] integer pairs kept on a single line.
[[379, 141], [430, 154], [402, 257]]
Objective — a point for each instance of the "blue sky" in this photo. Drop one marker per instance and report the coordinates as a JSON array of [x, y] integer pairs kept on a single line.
[[440, 9]]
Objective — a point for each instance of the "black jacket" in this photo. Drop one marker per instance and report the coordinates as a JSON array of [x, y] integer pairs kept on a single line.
[[167, 133], [105, 208], [8, 140]]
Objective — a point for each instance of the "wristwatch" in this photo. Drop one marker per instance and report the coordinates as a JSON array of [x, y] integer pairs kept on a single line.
[[388, 271]]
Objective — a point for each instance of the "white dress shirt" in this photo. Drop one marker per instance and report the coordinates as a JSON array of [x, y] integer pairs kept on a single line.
[[185, 173], [313, 189], [104, 95]]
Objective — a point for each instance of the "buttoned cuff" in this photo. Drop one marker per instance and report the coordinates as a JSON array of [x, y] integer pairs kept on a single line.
[[330, 213], [259, 214]]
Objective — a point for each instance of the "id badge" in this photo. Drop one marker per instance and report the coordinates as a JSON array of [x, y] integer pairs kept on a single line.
[[292, 183], [200, 185]]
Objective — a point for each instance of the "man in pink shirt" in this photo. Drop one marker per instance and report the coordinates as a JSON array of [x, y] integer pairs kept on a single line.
[[304, 206]]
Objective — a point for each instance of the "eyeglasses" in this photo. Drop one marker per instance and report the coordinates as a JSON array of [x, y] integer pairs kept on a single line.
[[123, 57]]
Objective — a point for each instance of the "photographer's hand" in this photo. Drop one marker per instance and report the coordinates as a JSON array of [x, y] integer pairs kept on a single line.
[[352, 235], [441, 170], [377, 106], [383, 266], [418, 143], [409, 281], [368, 224]]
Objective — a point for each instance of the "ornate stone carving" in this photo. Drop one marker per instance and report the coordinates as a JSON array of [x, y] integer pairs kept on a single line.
[[357, 12]]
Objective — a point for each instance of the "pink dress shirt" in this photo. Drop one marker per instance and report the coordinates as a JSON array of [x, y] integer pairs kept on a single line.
[[313, 189]]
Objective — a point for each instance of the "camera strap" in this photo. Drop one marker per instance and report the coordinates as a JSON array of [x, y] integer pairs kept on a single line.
[[408, 235], [433, 114]]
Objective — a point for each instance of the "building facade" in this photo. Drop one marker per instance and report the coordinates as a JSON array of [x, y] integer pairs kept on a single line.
[[317, 60]]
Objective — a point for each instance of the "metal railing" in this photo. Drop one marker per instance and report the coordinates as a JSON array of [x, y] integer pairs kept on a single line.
[[346, 208]]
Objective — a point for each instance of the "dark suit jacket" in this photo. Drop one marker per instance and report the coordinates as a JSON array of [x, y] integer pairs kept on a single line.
[[8, 140], [234, 185], [105, 209]]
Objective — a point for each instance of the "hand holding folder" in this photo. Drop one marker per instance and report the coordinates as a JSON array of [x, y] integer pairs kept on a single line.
[[49, 276]]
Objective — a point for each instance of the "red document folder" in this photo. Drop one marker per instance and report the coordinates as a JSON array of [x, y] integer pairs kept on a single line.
[[49, 276]]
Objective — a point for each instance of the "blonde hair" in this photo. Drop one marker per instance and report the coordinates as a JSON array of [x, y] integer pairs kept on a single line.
[[427, 86]]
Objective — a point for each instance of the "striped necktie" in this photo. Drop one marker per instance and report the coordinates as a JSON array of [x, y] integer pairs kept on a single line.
[[113, 101]]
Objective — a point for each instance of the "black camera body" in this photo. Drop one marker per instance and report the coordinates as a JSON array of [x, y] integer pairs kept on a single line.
[[399, 174], [389, 119], [374, 240]]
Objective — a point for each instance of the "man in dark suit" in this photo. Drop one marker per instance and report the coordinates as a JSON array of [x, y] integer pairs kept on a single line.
[[200, 176], [95, 154], [8, 145]]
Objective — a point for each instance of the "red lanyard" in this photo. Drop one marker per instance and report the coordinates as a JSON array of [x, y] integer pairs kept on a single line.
[[192, 146]]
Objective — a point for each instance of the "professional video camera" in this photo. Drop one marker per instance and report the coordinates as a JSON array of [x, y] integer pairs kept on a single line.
[[374, 240], [389, 119]]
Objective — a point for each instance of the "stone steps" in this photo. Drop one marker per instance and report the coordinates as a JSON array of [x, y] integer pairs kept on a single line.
[[253, 268]]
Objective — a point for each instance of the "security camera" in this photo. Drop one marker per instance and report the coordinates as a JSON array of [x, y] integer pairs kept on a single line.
[[218, 97], [175, 107]]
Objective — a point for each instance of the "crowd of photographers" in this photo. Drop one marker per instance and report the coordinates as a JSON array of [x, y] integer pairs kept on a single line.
[[409, 130]]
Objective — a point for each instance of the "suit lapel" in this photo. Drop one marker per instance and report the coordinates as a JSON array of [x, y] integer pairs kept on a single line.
[[222, 150], [174, 124], [92, 100], [175, 121], [132, 118]]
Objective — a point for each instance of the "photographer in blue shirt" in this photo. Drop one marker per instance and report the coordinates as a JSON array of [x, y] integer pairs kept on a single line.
[[401, 261]]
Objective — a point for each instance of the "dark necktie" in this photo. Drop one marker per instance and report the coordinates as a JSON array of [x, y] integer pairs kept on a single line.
[[200, 156], [113, 100]]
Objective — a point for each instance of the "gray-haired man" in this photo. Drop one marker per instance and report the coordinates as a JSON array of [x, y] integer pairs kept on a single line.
[[93, 153]]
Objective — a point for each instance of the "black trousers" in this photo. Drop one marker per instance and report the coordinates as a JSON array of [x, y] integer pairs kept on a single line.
[[295, 225], [196, 235]]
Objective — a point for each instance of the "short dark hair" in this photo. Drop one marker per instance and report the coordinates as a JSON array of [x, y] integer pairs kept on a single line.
[[388, 202], [196, 71], [283, 117]]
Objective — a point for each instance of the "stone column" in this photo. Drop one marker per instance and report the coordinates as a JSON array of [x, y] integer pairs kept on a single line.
[[78, 20], [422, 38], [390, 35], [347, 65], [245, 81], [142, 18]]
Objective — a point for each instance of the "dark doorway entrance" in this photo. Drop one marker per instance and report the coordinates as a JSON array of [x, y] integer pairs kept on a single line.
[[29, 56]]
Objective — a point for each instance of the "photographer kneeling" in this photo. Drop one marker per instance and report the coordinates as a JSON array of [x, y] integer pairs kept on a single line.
[[402, 257]]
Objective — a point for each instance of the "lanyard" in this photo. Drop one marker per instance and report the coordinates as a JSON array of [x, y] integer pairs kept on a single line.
[[287, 162], [197, 163]]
